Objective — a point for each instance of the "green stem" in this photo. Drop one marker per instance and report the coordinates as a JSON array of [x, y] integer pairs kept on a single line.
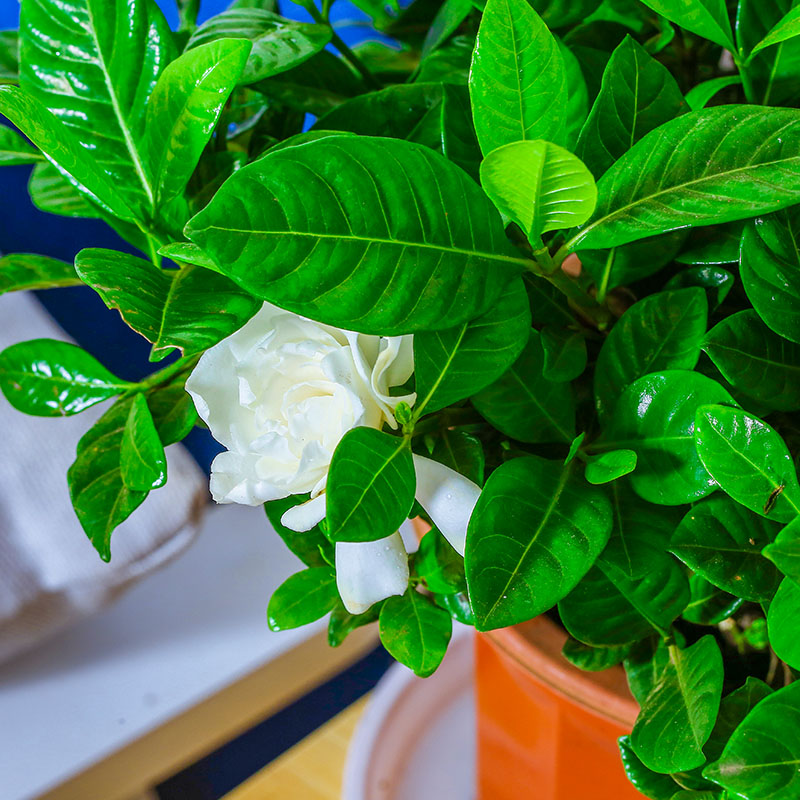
[[187, 14], [152, 250], [747, 83], [602, 290], [164, 375]]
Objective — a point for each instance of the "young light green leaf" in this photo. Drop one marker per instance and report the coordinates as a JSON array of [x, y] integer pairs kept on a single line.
[[539, 185], [609, 466], [749, 460], [722, 541], [278, 44], [678, 715], [787, 28], [48, 378], [565, 354], [454, 364], [637, 95], [782, 617], [524, 405], [183, 110], [533, 535], [430, 269], [15, 150], [21, 271], [717, 165], [655, 417], [518, 81], [593, 659], [651, 784], [701, 95], [143, 463], [784, 552], [760, 760], [756, 361], [415, 631], [52, 193], [370, 487], [706, 18], [187, 253], [662, 331], [302, 598]]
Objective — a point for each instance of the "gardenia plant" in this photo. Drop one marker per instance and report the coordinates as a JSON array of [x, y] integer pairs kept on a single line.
[[532, 275]]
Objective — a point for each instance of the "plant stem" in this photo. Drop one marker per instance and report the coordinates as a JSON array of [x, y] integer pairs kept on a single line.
[[747, 83], [164, 375], [602, 290]]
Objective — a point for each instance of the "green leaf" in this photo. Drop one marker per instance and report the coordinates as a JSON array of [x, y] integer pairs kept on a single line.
[[787, 28], [649, 783], [722, 541], [662, 331], [771, 278], [560, 13], [453, 364], [749, 460], [719, 244], [565, 355], [278, 44], [459, 140], [539, 185], [701, 95], [784, 552], [637, 95], [342, 623], [756, 361], [518, 80], [15, 150], [411, 264], [577, 96], [438, 564], [643, 667], [52, 193], [593, 659], [709, 605], [760, 760], [706, 18], [183, 111], [446, 22], [370, 487], [533, 535], [607, 609], [48, 378], [9, 56], [99, 495], [716, 281], [415, 631], [143, 463], [678, 715], [782, 617], [609, 466], [312, 547], [116, 55], [707, 167], [462, 452], [21, 271], [172, 409], [187, 253], [302, 598], [524, 405]]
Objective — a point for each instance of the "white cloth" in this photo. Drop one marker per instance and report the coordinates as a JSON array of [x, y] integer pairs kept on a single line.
[[50, 575]]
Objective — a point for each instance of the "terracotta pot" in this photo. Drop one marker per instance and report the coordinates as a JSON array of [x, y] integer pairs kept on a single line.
[[545, 728]]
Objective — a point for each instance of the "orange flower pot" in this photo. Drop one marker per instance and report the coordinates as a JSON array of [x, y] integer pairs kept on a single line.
[[545, 728]]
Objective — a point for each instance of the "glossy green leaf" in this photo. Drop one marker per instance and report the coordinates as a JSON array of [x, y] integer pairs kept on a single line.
[[565, 355], [533, 535], [707, 167], [756, 361], [278, 44], [438, 564], [651, 784], [577, 96], [15, 150], [706, 18], [48, 378], [640, 535], [415, 631], [787, 28], [643, 667], [784, 552], [524, 405], [370, 487], [716, 281], [609, 466], [539, 185], [449, 63], [722, 541], [99, 495], [21, 271], [302, 598], [342, 623], [608, 609], [462, 452], [574, 448], [784, 611], [446, 22], [593, 659], [662, 331], [453, 364], [518, 80], [719, 244], [312, 547], [708, 604], [183, 111], [701, 95], [560, 13], [637, 95], [9, 56], [655, 417], [459, 140], [116, 55], [411, 264], [52, 193], [143, 463], [187, 253], [760, 760], [173, 409], [678, 715], [749, 460], [772, 279]]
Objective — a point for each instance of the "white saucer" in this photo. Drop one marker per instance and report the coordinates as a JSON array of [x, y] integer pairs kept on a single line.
[[417, 736]]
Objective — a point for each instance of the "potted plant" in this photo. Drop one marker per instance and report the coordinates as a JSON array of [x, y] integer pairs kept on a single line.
[[531, 275]]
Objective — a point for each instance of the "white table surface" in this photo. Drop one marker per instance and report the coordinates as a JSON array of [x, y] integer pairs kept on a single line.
[[177, 638]]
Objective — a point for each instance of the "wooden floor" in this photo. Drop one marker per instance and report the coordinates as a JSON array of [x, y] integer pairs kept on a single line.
[[311, 770]]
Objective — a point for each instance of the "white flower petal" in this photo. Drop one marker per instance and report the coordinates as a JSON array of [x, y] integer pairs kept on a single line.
[[448, 497], [367, 572], [234, 480], [305, 516]]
